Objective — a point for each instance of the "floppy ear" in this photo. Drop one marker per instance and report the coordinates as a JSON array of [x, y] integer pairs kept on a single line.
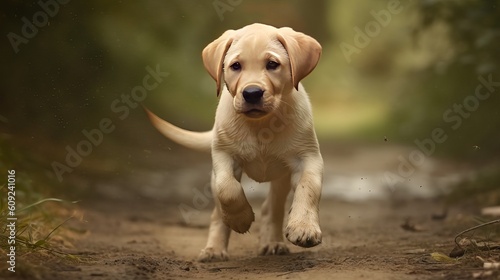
[[303, 52], [213, 57]]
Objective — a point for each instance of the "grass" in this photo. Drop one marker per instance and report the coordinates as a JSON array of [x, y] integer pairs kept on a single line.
[[41, 224], [34, 227], [36, 222]]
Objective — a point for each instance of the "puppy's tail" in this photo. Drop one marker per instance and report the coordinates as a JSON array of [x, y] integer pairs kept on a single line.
[[200, 141]]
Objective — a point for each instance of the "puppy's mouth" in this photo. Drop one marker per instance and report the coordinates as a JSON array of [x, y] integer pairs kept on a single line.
[[254, 113]]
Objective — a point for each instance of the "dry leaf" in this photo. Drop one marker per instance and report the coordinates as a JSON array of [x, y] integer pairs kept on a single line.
[[442, 258]]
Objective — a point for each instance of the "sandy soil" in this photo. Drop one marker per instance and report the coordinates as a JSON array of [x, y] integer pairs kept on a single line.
[[366, 240], [131, 232]]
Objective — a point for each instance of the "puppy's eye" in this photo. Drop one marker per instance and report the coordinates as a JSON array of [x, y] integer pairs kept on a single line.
[[272, 65], [235, 66]]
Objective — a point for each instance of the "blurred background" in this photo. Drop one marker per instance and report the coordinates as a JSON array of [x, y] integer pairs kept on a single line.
[[395, 95]]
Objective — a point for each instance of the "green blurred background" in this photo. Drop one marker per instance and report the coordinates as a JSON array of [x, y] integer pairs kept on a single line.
[[403, 74]]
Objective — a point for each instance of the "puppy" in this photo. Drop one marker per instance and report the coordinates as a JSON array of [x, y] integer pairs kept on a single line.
[[263, 127]]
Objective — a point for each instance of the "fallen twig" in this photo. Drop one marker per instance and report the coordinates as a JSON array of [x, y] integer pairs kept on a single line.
[[459, 250], [217, 269], [474, 228]]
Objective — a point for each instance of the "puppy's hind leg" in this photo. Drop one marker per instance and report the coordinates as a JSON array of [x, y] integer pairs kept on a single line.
[[218, 239], [273, 210]]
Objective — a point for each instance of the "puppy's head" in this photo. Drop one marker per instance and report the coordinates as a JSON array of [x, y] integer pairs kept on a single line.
[[259, 64]]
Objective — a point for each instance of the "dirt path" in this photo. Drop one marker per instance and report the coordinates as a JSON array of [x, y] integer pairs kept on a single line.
[[133, 228], [361, 241]]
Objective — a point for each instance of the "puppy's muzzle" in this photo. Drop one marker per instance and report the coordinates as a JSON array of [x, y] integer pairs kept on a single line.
[[254, 102], [253, 94]]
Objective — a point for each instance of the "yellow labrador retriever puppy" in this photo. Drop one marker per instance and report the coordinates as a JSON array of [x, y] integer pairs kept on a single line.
[[263, 127]]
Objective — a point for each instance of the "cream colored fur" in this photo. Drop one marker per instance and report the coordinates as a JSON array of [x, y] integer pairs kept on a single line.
[[270, 140]]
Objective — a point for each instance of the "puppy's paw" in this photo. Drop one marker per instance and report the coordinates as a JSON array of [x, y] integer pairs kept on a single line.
[[212, 255], [274, 248], [303, 235], [239, 221], [303, 232]]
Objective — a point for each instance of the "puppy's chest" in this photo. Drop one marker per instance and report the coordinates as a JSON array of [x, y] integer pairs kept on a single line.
[[263, 156], [263, 164]]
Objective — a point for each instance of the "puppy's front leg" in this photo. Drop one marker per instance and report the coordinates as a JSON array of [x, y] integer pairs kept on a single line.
[[235, 210], [303, 219]]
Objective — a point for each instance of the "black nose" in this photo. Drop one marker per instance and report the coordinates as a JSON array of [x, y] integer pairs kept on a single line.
[[253, 94]]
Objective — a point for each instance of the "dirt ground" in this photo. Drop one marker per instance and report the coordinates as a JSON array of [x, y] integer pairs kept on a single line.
[[142, 235], [360, 241]]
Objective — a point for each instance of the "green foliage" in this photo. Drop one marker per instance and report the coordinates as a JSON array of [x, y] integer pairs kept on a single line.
[[472, 29]]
